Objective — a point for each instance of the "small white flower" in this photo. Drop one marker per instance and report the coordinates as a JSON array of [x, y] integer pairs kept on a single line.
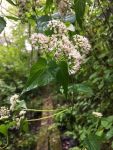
[[4, 113], [97, 114], [22, 113], [18, 121], [13, 101], [14, 98]]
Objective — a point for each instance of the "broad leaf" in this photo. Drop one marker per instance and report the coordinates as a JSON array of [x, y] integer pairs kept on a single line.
[[109, 134], [82, 88], [4, 129], [39, 75], [79, 6], [2, 24], [93, 142], [42, 23], [48, 5], [24, 126], [12, 18], [63, 76]]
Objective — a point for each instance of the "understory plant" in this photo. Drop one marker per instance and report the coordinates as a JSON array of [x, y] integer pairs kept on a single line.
[[72, 41]]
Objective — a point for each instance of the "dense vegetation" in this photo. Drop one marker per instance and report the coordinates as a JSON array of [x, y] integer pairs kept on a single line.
[[70, 57]]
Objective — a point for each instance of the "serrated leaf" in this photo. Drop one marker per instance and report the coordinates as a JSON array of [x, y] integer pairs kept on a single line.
[[2, 24]]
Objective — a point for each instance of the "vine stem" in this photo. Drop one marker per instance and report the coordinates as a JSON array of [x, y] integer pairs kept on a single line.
[[47, 117], [35, 110]]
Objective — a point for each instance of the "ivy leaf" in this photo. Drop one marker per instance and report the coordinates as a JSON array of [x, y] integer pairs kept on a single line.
[[79, 6], [2, 24]]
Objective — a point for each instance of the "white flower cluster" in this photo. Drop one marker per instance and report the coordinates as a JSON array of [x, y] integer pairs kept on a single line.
[[20, 118], [57, 26], [13, 101], [39, 41], [4, 113], [59, 42], [82, 44], [97, 114]]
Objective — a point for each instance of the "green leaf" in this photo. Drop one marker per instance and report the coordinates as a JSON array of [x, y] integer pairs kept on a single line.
[[63, 76], [109, 134], [48, 5], [2, 24], [79, 6], [93, 142], [71, 27], [24, 126], [21, 104], [4, 129], [0, 142], [12, 18], [11, 2], [39, 75], [82, 88], [104, 123]]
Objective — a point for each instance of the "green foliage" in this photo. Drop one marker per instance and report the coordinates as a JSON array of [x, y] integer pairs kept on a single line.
[[46, 71], [4, 129], [82, 88], [12, 18], [62, 76], [89, 90], [48, 5], [93, 142], [2, 24], [79, 7], [39, 75]]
